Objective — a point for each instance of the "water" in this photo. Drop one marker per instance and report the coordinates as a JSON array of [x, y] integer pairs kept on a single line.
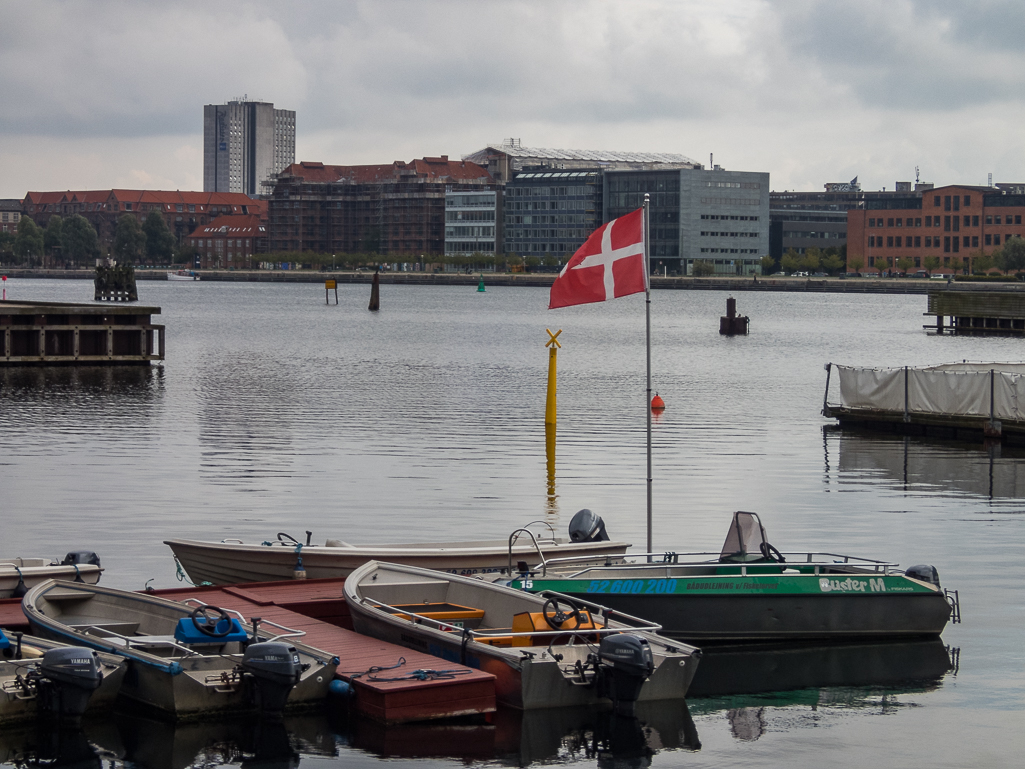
[[274, 412]]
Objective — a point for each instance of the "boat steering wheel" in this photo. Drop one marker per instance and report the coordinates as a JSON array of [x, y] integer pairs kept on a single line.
[[770, 552], [207, 618], [282, 536], [556, 618]]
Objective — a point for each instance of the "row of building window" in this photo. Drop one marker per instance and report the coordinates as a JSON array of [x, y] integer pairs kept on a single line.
[[558, 219], [729, 250], [731, 217], [469, 232], [470, 216], [570, 234], [934, 221], [834, 235], [469, 247], [711, 234], [547, 192], [969, 241], [737, 185], [550, 205], [951, 199]]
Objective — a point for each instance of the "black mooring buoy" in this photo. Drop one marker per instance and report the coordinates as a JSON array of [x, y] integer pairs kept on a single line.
[[375, 292], [731, 323]]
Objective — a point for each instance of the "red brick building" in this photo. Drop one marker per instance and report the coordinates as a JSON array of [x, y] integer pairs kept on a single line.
[[953, 223], [393, 209], [182, 211], [229, 242]]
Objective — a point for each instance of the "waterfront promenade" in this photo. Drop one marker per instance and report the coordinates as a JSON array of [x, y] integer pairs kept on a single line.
[[718, 283]]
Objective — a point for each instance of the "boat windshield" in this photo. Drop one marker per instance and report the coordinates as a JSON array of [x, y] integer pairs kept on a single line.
[[746, 540]]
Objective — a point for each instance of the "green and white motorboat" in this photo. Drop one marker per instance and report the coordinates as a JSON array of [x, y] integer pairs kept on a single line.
[[752, 592]]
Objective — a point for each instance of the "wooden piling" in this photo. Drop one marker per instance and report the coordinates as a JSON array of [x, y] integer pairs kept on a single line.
[[375, 292]]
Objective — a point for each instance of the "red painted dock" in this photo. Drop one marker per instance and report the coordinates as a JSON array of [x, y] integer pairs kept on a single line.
[[318, 607]]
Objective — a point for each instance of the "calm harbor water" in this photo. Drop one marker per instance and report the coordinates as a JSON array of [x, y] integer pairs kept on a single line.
[[276, 413]]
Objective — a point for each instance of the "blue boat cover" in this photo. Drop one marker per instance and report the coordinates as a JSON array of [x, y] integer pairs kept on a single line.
[[186, 632], [4, 642]]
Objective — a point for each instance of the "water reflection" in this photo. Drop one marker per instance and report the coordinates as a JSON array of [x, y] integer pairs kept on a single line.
[[44, 746], [990, 471]]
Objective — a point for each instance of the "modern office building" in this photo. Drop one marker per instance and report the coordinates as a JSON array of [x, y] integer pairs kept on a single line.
[[715, 216], [245, 144], [393, 209], [551, 213], [472, 221], [955, 224]]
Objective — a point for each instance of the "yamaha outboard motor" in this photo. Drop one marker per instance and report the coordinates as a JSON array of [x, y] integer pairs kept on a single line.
[[587, 527], [625, 662], [80, 557], [65, 679], [272, 669], [925, 573]]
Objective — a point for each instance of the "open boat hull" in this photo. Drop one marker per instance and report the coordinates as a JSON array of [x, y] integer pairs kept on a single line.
[[36, 570], [527, 677], [228, 563], [18, 705], [136, 626]]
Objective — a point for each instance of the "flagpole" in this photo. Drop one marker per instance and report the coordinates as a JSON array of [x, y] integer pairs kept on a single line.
[[647, 340]]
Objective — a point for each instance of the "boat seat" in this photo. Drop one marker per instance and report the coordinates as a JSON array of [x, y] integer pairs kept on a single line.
[[106, 629]]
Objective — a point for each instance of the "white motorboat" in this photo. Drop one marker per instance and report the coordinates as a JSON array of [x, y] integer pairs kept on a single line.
[[544, 650], [233, 561], [40, 678], [185, 661], [182, 275], [17, 575]]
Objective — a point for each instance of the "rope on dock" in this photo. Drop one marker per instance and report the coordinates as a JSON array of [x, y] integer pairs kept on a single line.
[[416, 675], [183, 577]]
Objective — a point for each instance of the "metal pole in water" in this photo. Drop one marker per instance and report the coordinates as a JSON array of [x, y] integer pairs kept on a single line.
[[647, 339]]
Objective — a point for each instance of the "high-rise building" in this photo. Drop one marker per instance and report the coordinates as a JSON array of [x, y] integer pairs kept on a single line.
[[245, 143]]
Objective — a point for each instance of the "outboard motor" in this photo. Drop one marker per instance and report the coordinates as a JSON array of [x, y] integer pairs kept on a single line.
[[273, 669], [625, 662], [587, 527], [81, 557], [65, 679], [924, 572]]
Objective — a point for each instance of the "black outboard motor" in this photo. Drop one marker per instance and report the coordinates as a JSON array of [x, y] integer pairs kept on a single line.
[[925, 573], [587, 527], [65, 679], [625, 663], [81, 557], [272, 670]]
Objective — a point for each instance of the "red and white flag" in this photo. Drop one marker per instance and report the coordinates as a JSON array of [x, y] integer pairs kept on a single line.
[[609, 264]]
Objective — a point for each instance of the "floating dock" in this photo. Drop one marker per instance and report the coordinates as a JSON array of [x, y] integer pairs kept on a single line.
[[52, 333], [962, 401], [318, 607], [977, 312]]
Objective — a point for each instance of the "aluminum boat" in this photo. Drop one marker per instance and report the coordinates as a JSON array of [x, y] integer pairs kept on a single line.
[[544, 651], [17, 575]]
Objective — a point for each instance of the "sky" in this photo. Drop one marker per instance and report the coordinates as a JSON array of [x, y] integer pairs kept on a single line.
[[98, 94]]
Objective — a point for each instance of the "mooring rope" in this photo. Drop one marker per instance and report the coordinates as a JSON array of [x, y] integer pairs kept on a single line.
[[416, 675]]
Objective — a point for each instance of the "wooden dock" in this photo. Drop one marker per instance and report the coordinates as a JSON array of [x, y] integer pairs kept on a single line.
[[318, 608], [977, 312], [55, 333]]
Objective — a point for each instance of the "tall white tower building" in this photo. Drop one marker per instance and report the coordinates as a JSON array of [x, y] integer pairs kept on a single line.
[[245, 143]]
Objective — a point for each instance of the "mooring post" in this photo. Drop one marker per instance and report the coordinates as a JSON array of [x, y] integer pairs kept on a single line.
[[906, 417], [825, 396]]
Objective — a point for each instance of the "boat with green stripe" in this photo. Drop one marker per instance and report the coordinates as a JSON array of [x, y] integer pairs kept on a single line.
[[752, 592]]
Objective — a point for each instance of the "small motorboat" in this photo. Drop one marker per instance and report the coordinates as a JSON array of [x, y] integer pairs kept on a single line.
[[232, 561], [182, 275], [40, 678], [17, 575], [752, 592], [185, 661], [545, 651]]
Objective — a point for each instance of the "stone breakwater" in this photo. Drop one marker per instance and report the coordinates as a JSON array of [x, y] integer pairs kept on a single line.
[[811, 285]]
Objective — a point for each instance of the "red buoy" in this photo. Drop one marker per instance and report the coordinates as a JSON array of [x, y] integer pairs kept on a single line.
[[657, 404]]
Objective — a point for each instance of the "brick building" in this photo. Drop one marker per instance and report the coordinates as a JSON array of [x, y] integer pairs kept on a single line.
[[229, 242], [182, 211], [952, 223], [10, 214], [393, 209]]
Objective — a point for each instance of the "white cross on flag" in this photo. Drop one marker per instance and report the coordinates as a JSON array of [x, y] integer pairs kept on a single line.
[[609, 264]]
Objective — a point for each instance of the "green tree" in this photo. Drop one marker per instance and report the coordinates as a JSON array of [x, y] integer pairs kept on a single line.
[[833, 263], [129, 240], [159, 240], [1014, 254], [78, 239], [982, 262], [855, 263], [702, 268], [931, 263], [52, 234], [29, 242], [905, 263], [768, 264], [791, 261], [6, 244], [812, 259]]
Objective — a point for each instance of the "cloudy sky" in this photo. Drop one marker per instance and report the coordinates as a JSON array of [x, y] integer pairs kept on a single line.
[[97, 94]]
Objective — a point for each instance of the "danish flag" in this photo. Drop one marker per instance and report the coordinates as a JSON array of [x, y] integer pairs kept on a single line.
[[608, 265]]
